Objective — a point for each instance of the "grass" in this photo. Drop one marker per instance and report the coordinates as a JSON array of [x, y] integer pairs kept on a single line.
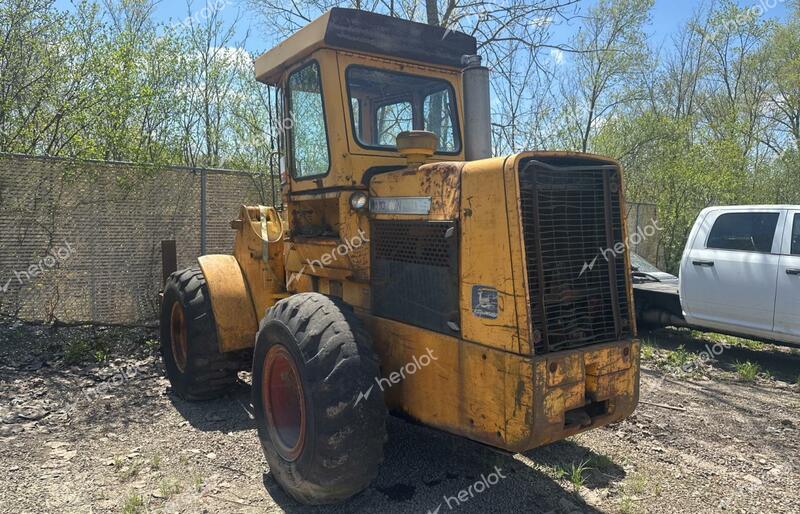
[[747, 371], [80, 351], [134, 504], [627, 505], [169, 488], [636, 484], [197, 483], [155, 462], [680, 357], [576, 474], [731, 340], [648, 349], [151, 344], [131, 470]]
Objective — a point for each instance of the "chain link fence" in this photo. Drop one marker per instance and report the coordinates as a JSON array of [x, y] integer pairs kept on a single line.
[[80, 241]]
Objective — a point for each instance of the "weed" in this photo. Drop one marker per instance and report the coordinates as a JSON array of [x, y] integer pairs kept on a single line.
[[169, 488], [155, 462], [648, 349], [680, 357], [197, 483], [134, 504], [131, 470], [636, 484], [627, 505], [747, 370], [576, 474], [80, 351], [151, 344], [797, 382]]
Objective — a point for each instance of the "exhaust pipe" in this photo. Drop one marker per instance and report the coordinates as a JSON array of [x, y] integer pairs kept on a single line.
[[477, 114]]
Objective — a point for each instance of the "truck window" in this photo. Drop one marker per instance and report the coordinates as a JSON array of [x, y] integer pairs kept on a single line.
[[385, 103], [796, 235], [744, 231], [308, 135]]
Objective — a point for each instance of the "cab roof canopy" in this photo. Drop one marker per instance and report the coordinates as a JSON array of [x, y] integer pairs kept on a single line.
[[367, 32]]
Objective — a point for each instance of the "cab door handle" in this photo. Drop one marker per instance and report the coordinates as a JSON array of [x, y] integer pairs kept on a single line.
[[707, 264], [793, 272]]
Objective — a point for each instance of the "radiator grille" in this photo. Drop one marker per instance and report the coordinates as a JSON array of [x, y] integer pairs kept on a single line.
[[415, 273], [571, 223]]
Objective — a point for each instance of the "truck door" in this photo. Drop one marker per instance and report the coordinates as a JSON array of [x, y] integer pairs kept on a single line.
[[728, 276], [787, 305]]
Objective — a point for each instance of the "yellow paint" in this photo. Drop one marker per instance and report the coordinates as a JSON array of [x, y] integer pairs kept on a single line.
[[485, 382], [231, 302]]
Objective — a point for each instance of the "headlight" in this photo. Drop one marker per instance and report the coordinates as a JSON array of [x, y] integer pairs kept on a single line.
[[358, 200]]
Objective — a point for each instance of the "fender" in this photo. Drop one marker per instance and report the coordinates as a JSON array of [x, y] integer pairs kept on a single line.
[[231, 302]]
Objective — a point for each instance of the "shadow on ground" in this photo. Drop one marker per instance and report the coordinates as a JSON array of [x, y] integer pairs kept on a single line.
[[231, 413], [424, 471], [782, 363]]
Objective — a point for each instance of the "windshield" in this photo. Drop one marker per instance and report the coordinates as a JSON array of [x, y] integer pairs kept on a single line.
[[639, 264], [385, 103]]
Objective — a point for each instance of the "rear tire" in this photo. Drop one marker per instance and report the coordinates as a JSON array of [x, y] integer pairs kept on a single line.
[[195, 367], [323, 439]]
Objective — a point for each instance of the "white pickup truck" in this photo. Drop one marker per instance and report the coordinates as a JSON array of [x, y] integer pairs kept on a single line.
[[739, 275]]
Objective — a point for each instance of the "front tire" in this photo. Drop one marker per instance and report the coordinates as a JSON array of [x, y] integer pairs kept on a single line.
[[323, 438], [195, 367]]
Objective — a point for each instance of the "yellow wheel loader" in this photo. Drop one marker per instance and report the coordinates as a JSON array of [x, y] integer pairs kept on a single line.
[[409, 270]]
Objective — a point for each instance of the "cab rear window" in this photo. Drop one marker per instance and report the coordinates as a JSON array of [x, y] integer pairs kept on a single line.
[[796, 235], [744, 231]]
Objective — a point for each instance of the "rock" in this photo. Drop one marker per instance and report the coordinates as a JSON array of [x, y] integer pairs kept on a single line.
[[752, 479], [33, 414]]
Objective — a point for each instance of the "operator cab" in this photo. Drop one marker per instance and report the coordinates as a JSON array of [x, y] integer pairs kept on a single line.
[[352, 81]]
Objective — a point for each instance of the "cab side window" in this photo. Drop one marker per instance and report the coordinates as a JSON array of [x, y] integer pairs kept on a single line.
[[744, 231], [308, 136], [796, 235]]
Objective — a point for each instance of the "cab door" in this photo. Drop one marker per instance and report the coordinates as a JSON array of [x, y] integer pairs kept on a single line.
[[787, 304], [728, 276]]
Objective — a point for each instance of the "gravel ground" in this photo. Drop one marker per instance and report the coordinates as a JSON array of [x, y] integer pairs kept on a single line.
[[110, 437]]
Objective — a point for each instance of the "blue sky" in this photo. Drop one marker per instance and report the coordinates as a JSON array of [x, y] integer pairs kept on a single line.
[[667, 17]]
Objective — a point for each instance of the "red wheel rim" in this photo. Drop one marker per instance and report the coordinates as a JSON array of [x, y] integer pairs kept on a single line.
[[284, 402], [178, 336]]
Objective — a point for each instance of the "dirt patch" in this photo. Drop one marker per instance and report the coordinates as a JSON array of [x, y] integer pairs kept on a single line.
[[89, 425]]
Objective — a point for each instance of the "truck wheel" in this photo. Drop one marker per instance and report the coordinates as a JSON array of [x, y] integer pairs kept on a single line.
[[323, 438], [196, 369]]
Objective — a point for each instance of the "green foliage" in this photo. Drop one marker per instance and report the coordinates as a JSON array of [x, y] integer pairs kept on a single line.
[[80, 351], [680, 357], [747, 371], [134, 504]]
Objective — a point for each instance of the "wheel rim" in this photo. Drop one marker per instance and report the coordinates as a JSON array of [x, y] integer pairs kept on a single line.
[[284, 402], [178, 337]]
